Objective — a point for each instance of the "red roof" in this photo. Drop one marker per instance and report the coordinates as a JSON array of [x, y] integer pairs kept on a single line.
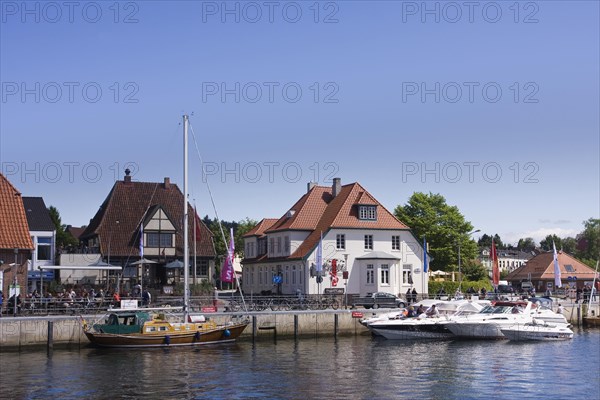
[[128, 203], [541, 267], [14, 230], [318, 211], [261, 227]]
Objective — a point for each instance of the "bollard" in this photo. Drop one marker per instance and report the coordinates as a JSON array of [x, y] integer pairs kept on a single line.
[[578, 313], [254, 328], [295, 326], [50, 335], [335, 325]]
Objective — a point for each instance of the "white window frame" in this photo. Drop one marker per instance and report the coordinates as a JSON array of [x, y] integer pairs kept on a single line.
[[370, 274], [384, 274], [395, 242], [340, 241]]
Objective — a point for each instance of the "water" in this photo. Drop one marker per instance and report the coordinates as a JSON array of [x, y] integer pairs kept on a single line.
[[349, 368]]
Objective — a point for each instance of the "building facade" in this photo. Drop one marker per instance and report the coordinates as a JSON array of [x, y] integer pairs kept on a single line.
[[364, 248]]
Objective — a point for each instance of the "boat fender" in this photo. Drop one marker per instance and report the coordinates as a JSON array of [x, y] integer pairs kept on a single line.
[[197, 335], [167, 339], [226, 333]]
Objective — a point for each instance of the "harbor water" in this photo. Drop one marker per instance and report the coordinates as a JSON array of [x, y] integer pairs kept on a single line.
[[356, 367]]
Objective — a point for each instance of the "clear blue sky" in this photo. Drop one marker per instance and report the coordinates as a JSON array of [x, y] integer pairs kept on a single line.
[[400, 88]]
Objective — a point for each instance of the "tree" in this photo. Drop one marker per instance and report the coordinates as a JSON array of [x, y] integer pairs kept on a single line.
[[63, 239], [546, 244], [239, 230], [474, 270], [486, 241], [526, 244], [569, 245], [588, 241], [443, 226]]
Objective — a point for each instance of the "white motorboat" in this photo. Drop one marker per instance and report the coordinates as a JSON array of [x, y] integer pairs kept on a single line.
[[423, 327], [487, 324], [537, 330]]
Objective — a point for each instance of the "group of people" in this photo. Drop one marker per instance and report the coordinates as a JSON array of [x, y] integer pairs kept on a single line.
[[411, 296], [412, 312]]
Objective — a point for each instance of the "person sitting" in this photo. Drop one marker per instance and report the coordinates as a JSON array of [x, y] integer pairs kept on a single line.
[[420, 310], [411, 312], [432, 312]]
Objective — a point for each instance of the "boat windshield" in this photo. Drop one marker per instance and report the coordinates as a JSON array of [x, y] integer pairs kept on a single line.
[[496, 310]]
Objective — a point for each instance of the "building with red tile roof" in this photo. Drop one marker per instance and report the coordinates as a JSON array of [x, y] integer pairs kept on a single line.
[[365, 248], [540, 271], [154, 210], [15, 241]]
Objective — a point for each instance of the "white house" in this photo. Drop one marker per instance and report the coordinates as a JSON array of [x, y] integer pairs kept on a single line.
[[508, 260], [43, 236], [365, 248]]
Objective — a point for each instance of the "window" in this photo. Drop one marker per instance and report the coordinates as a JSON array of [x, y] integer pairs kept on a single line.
[[293, 275], [279, 245], [385, 274], [301, 273], [340, 241], [368, 242], [370, 274], [44, 248], [569, 268], [157, 239], [395, 242], [367, 212], [260, 275], [406, 274], [287, 245], [271, 246], [287, 274], [202, 269]]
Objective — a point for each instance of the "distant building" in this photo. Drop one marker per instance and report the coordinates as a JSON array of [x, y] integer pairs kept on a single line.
[[508, 260], [15, 241], [43, 236], [540, 271], [154, 210], [365, 248]]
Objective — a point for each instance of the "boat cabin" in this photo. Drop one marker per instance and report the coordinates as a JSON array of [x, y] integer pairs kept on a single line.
[[130, 322]]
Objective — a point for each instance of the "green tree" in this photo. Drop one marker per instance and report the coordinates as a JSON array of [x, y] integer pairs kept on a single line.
[[588, 242], [526, 244], [546, 244], [63, 239], [569, 245], [443, 226], [239, 230], [474, 270], [486, 241]]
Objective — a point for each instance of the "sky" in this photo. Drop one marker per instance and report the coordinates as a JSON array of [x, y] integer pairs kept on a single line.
[[494, 105]]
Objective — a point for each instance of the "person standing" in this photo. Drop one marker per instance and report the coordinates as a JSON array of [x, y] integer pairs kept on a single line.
[[1, 301], [414, 295], [408, 296]]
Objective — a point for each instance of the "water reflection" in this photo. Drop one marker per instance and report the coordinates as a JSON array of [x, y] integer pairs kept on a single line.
[[349, 367]]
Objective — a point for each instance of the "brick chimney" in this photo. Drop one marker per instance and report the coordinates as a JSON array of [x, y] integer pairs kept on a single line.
[[310, 185], [127, 178], [336, 188], [167, 183]]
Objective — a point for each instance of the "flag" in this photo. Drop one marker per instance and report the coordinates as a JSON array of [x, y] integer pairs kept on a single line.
[[319, 258], [227, 270], [142, 240], [425, 266], [495, 270], [557, 281]]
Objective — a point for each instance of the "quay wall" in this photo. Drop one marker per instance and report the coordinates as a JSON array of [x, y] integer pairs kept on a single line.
[[66, 330]]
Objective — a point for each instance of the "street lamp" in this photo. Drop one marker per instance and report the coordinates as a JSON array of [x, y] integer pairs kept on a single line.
[[459, 269]]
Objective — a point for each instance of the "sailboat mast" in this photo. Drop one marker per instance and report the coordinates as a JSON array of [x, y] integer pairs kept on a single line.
[[186, 255]]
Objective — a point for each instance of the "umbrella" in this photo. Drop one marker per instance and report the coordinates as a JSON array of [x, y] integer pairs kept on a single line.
[[439, 273], [143, 261], [175, 264]]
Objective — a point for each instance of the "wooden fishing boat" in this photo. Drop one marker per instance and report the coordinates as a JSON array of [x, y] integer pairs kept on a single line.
[[140, 328]]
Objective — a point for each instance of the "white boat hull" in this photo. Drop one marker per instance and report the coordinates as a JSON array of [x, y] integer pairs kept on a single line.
[[520, 332]]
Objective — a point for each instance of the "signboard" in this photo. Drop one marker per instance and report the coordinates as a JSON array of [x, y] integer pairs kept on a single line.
[[336, 291], [210, 309], [129, 304], [277, 279], [14, 290], [39, 274], [357, 314]]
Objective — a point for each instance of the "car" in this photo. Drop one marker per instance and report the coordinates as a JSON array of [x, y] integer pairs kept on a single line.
[[379, 299], [506, 289]]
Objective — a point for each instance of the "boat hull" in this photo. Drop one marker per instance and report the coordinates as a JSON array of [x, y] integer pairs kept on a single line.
[[527, 332], [591, 321], [408, 329], [219, 335]]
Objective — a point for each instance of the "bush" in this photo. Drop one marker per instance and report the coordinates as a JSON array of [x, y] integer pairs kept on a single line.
[[451, 287]]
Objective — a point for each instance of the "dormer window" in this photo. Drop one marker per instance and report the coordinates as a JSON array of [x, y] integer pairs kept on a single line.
[[367, 213]]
